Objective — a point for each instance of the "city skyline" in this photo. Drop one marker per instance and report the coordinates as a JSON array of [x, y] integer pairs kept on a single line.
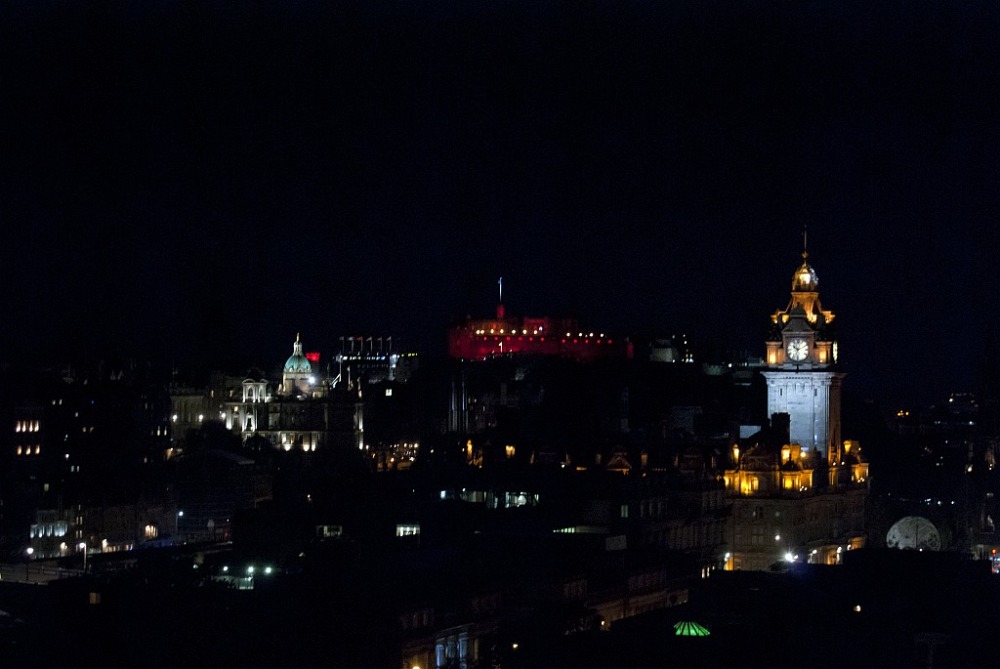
[[211, 181]]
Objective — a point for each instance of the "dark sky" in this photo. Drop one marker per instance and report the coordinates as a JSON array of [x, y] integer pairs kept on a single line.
[[209, 177]]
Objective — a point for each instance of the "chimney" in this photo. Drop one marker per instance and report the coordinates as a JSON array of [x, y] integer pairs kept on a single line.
[[781, 427]]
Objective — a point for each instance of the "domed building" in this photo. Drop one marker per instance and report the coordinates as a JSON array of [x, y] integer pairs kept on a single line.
[[305, 414], [297, 376]]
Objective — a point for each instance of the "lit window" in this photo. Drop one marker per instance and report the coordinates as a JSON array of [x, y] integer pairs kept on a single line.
[[408, 530]]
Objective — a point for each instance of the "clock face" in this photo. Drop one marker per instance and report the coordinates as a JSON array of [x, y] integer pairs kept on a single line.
[[798, 350]]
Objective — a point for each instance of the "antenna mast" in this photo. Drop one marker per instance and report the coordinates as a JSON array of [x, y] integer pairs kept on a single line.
[[500, 309]]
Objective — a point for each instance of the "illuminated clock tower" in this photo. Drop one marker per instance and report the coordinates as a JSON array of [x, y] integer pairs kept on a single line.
[[801, 376]]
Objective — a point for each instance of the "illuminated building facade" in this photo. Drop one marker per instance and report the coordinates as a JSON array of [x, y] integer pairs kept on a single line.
[[478, 339], [798, 490], [304, 414]]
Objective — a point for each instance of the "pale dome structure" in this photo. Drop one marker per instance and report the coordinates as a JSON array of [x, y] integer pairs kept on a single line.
[[296, 377], [297, 363]]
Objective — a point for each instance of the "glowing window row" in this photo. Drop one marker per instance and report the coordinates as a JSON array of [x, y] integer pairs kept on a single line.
[[56, 529], [407, 529], [28, 450], [27, 426], [513, 331]]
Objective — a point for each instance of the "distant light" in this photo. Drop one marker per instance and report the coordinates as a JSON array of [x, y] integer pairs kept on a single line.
[[267, 570], [250, 570], [225, 568], [514, 645], [789, 557], [777, 537], [31, 551], [685, 628], [857, 608]]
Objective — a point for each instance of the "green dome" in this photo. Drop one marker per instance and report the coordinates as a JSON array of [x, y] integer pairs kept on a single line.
[[297, 363]]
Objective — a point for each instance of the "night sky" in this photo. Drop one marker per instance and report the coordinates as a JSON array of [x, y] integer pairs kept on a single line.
[[206, 179]]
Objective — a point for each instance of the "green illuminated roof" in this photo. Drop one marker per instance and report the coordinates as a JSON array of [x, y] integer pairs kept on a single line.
[[685, 628]]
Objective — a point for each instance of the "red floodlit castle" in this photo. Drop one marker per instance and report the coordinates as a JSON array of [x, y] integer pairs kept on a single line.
[[506, 335]]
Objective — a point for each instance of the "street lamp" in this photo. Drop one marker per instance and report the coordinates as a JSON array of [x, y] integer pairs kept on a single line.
[[177, 522], [83, 547]]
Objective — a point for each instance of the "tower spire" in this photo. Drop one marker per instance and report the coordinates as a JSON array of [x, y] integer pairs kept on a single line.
[[805, 242]]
